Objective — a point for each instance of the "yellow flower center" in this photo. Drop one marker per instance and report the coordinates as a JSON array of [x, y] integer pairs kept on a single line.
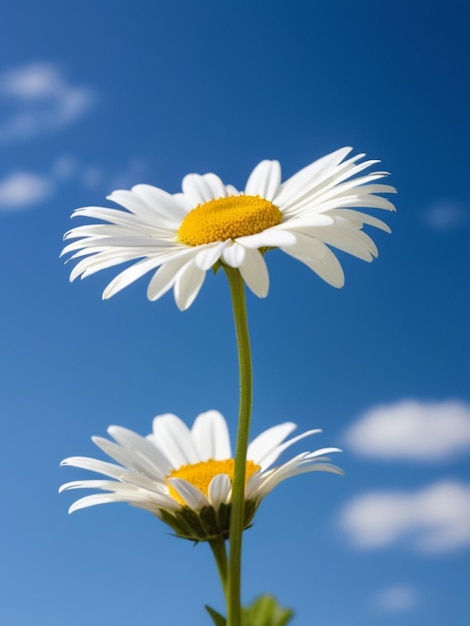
[[201, 474], [228, 218]]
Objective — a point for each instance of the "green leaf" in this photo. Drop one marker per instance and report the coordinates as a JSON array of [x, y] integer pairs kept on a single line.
[[219, 620], [265, 611]]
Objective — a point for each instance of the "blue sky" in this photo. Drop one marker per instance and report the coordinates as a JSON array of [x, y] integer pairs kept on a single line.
[[103, 95]]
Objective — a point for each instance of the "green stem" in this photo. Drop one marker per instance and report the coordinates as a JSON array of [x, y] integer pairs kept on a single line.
[[220, 555], [237, 290]]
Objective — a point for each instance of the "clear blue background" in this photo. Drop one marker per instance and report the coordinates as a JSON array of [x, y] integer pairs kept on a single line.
[[217, 86]]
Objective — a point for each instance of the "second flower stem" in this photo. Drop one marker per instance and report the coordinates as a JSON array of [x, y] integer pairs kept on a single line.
[[237, 290], [220, 555]]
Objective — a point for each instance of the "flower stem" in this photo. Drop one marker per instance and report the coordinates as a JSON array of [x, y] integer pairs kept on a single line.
[[237, 290], [220, 555]]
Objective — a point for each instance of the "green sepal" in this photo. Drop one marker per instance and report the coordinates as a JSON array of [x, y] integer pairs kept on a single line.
[[207, 524], [219, 620], [265, 611]]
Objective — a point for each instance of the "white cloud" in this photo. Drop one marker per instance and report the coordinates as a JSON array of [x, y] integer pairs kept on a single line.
[[412, 430], [135, 169], [446, 215], [92, 177], [23, 189], [44, 101], [65, 167], [396, 599], [435, 519]]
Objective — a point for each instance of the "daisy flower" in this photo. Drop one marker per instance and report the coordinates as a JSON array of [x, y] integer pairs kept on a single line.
[[184, 476], [179, 237]]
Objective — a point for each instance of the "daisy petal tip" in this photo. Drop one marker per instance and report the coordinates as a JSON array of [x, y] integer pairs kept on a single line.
[[110, 291], [182, 305], [73, 508], [115, 430]]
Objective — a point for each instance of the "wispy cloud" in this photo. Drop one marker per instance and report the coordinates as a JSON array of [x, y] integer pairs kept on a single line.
[[412, 430], [65, 167], [24, 189], [135, 169], [396, 599], [446, 215], [43, 100], [433, 520]]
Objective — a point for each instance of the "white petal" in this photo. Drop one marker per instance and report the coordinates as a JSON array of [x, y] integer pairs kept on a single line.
[[164, 279], [183, 201], [285, 473], [200, 189], [194, 498], [104, 498], [271, 238], [264, 180], [130, 275], [216, 187], [234, 255], [298, 465], [346, 237], [255, 273], [105, 485], [162, 202], [321, 452], [119, 454], [318, 258], [275, 476], [134, 203], [174, 439], [230, 190], [356, 185], [113, 216], [92, 264], [322, 194], [211, 437], [358, 218], [132, 245], [253, 485], [276, 452], [94, 465], [188, 284], [269, 439], [158, 491], [209, 255], [156, 463], [296, 184], [220, 489]]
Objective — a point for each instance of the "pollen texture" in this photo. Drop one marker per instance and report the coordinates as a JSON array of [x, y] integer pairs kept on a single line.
[[228, 218]]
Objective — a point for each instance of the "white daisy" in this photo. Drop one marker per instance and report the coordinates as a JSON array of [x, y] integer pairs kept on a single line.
[[209, 223], [185, 476]]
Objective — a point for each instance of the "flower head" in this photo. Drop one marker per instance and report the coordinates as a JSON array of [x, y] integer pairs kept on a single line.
[[179, 237], [184, 476]]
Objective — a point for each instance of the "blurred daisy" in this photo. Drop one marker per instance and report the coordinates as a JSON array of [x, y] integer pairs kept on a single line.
[[185, 476], [210, 223]]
